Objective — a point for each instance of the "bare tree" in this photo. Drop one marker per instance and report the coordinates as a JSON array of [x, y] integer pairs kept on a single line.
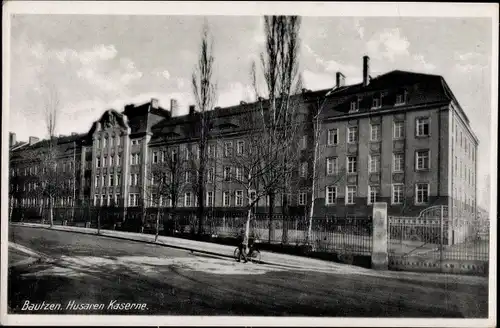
[[318, 158], [280, 63], [256, 164], [50, 180], [166, 182], [205, 94]]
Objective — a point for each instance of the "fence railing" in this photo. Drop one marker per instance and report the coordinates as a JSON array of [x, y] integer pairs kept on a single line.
[[438, 238], [328, 234]]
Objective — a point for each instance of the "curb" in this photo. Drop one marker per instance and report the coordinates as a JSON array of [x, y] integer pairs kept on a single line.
[[193, 250]]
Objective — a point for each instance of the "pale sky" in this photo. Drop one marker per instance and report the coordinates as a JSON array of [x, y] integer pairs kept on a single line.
[[99, 62]]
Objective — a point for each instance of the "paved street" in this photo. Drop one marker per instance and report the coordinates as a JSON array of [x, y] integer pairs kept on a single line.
[[58, 267]]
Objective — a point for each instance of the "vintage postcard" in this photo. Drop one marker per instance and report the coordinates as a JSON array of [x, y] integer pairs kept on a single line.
[[255, 163]]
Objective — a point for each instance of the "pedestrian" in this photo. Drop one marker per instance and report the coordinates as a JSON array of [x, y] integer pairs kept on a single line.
[[241, 246]]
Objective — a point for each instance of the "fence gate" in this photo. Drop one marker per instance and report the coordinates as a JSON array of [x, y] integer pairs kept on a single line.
[[435, 242]]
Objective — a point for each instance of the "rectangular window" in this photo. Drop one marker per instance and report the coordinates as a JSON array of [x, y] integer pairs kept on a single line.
[[456, 165], [103, 181], [374, 132], [240, 147], [118, 180], [111, 180], [303, 142], [105, 142], [398, 162], [98, 143], [118, 160], [210, 198], [422, 159], [302, 198], [109, 197], [350, 194], [111, 142], [331, 195], [354, 106], [155, 157], [332, 166], [333, 137], [303, 169], [376, 103], [423, 127], [239, 197], [374, 164], [98, 162], [373, 194], [118, 140], [227, 173], [210, 174], [173, 155], [398, 130], [422, 192], [351, 164], [352, 134], [211, 151], [187, 199], [401, 98], [239, 174], [225, 198], [96, 200], [227, 148], [103, 200], [131, 200], [397, 193]]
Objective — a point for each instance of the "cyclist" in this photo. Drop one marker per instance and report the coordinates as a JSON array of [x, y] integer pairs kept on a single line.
[[241, 246]]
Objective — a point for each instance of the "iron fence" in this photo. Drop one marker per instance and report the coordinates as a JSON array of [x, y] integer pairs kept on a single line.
[[437, 238], [327, 234]]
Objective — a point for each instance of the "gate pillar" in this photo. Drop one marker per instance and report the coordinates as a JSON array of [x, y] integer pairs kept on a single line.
[[380, 260]]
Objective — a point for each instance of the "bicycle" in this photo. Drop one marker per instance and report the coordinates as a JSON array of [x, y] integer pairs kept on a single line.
[[252, 256]]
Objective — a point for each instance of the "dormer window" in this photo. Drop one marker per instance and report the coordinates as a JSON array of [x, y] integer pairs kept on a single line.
[[377, 101], [354, 105], [401, 98]]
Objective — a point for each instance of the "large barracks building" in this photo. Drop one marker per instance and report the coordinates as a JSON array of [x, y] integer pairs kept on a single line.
[[400, 137]]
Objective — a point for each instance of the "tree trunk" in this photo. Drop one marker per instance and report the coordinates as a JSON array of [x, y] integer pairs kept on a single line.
[[11, 208], [284, 238], [271, 214], [201, 187], [51, 212], [157, 223], [311, 212], [247, 227], [98, 221]]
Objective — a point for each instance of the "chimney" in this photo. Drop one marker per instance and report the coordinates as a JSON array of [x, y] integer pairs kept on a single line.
[[340, 78], [243, 102], [154, 103], [366, 70], [191, 109], [174, 107], [12, 139], [33, 140]]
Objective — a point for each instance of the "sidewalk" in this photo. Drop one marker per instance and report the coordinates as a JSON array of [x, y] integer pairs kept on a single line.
[[269, 258], [199, 247]]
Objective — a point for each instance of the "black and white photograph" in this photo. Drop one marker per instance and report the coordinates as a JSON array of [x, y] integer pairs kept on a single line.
[[254, 163]]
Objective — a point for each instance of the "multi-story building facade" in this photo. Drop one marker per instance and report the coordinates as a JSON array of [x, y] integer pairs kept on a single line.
[[401, 138]]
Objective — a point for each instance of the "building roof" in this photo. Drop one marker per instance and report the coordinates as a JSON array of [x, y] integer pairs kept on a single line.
[[65, 146], [420, 89]]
